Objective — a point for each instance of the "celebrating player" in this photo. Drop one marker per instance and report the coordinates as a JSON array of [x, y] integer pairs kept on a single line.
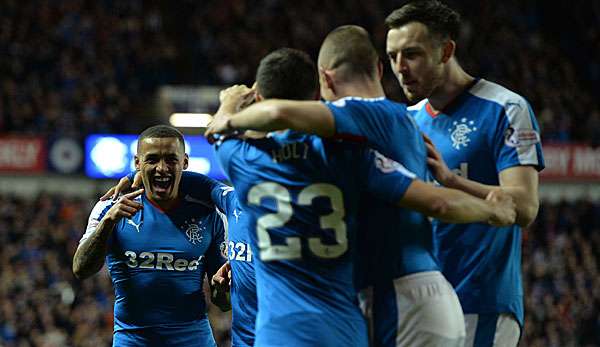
[[158, 244], [489, 138], [350, 73], [282, 176]]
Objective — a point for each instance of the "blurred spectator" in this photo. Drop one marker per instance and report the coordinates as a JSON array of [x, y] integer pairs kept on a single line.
[[73, 67], [561, 254], [41, 304]]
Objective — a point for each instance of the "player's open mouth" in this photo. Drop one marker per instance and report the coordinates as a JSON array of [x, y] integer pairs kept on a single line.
[[161, 184]]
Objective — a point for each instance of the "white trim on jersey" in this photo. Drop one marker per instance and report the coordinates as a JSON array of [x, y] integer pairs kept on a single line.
[[94, 220], [419, 105], [342, 102], [517, 112], [225, 223], [225, 189]]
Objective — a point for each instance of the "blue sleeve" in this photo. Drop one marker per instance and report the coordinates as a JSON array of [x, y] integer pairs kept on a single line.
[[228, 153], [383, 124], [201, 187], [215, 255], [516, 141], [354, 119], [385, 178]]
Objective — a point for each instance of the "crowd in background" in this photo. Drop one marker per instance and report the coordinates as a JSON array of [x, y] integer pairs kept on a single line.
[[73, 67], [42, 304]]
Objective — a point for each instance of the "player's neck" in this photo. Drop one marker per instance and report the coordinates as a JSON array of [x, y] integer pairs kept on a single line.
[[163, 205], [365, 89], [454, 83]]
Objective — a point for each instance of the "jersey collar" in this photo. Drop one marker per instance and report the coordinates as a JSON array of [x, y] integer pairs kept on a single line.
[[163, 210], [454, 103]]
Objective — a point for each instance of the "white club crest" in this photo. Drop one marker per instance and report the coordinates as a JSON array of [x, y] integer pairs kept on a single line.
[[193, 231], [459, 132]]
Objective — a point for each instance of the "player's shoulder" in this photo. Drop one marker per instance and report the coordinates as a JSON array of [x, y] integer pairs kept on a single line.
[[412, 109], [349, 101], [498, 94], [101, 207]]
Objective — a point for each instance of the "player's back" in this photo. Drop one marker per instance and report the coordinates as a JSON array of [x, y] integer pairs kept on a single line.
[[387, 127], [301, 194]]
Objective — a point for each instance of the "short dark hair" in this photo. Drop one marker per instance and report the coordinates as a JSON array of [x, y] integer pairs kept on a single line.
[[287, 73], [161, 131], [348, 48], [442, 21]]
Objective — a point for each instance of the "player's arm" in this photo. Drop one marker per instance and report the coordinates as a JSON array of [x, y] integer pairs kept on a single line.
[[215, 262], [92, 249], [311, 117], [519, 180], [392, 182], [131, 181], [454, 206]]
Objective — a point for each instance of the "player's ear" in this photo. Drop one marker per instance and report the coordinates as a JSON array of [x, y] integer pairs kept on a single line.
[[448, 50], [186, 161], [258, 97], [326, 79], [379, 69]]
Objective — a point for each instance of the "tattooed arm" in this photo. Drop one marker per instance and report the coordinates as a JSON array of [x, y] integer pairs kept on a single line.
[[92, 249]]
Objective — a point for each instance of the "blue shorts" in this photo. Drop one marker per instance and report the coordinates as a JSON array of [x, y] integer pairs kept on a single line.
[[196, 334]]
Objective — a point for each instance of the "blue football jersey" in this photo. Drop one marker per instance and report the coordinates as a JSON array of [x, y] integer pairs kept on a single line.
[[243, 286], [300, 195], [405, 244], [485, 130], [157, 261]]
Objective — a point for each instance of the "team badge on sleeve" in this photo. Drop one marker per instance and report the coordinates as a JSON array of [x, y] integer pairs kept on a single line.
[[387, 165], [521, 137]]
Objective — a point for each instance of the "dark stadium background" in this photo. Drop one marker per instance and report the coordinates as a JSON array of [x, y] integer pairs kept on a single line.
[[72, 68]]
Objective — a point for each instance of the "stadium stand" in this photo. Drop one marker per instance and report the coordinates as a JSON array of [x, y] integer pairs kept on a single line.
[[43, 305], [74, 67]]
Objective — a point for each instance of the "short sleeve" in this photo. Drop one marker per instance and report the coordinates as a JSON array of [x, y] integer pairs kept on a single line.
[[226, 151], [517, 141], [386, 179], [215, 255], [98, 212], [202, 187]]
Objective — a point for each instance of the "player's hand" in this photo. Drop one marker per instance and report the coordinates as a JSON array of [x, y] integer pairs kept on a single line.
[[233, 99], [124, 207], [436, 163], [505, 212], [218, 126], [123, 186], [220, 286], [222, 278], [237, 97]]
